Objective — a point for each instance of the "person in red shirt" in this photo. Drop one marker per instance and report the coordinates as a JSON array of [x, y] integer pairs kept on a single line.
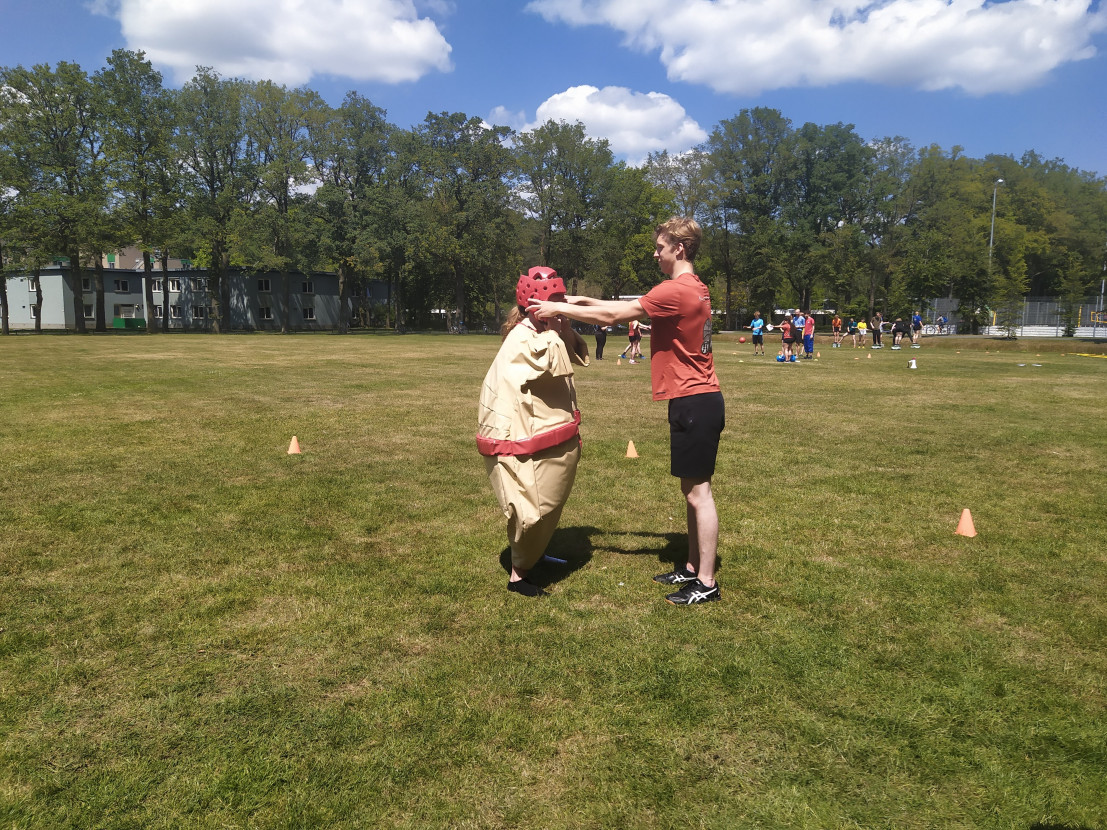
[[786, 338], [808, 336], [682, 372]]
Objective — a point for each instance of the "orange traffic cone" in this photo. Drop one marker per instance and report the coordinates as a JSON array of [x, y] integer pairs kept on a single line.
[[618, 361], [294, 447], [965, 527], [818, 354], [869, 356], [631, 452]]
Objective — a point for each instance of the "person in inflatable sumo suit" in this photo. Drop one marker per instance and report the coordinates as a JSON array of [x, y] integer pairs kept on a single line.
[[528, 425]]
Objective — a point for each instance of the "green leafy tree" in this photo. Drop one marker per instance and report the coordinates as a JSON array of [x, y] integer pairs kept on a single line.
[[467, 167], [53, 141], [220, 163], [564, 179], [827, 170], [351, 151], [749, 186], [632, 208], [279, 123], [138, 141]]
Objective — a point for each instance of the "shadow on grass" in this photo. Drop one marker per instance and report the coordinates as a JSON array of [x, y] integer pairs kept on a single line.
[[573, 544], [674, 552]]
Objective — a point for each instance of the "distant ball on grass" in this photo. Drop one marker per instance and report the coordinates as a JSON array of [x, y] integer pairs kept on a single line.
[[741, 340]]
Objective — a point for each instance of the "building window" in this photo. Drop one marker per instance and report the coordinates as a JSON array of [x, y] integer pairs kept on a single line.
[[86, 284], [263, 284], [122, 287], [111, 263], [88, 312], [308, 287], [128, 312], [157, 312], [265, 313], [34, 312], [199, 312], [155, 285], [175, 285], [175, 312], [32, 284], [199, 284], [309, 313]]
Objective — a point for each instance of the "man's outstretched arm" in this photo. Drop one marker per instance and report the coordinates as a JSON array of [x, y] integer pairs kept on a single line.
[[590, 310]]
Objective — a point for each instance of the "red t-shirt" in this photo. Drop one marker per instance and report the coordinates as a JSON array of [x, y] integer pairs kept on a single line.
[[680, 311]]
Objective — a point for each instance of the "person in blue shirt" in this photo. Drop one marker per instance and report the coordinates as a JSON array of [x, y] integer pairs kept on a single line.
[[757, 326], [916, 329]]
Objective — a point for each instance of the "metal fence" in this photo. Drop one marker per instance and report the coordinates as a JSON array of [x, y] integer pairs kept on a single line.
[[1037, 312]]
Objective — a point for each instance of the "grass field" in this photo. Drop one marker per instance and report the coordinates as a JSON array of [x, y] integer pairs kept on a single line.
[[200, 630]]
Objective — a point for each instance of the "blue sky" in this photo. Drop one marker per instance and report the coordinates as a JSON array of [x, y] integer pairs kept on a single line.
[[1003, 76]]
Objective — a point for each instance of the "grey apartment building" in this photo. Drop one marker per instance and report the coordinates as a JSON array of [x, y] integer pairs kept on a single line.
[[252, 301]]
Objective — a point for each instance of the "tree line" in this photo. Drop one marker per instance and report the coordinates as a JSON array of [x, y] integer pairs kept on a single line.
[[235, 174]]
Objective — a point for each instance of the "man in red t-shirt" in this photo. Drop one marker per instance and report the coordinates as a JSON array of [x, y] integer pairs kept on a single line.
[[682, 372]]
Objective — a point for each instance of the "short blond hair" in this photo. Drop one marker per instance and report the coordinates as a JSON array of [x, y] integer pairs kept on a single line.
[[684, 230]]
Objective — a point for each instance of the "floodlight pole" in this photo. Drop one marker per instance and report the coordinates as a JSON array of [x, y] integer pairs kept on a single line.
[[1095, 317], [992, 236]]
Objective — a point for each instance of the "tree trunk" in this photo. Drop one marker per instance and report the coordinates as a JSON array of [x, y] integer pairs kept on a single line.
[[286, 300], [459, 298], [216, 277], [100, 313], [4, 327], [38, 302], [78, 291], [165, 290], [343, 298], [226, 320], [148, 291]]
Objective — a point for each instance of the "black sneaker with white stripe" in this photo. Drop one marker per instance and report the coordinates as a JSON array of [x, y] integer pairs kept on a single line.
[[677, 576], [694, 593]]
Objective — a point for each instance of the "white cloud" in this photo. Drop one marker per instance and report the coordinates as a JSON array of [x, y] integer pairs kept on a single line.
[[506, 118], [747, 46], [634, 123], [286, 41]]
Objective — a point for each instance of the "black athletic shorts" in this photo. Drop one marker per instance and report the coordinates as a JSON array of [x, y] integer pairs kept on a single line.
[[759, 340], [695, 424]]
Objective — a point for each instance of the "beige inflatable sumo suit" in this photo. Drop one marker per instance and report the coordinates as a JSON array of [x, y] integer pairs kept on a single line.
[[527, 426]]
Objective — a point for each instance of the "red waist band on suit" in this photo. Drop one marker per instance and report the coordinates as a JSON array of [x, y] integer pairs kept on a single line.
[[536, 443]]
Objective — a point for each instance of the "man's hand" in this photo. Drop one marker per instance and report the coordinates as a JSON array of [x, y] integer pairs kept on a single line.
[[543, 309]]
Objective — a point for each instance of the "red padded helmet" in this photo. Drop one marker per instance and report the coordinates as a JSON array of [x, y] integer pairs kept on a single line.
[[540, 282]]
